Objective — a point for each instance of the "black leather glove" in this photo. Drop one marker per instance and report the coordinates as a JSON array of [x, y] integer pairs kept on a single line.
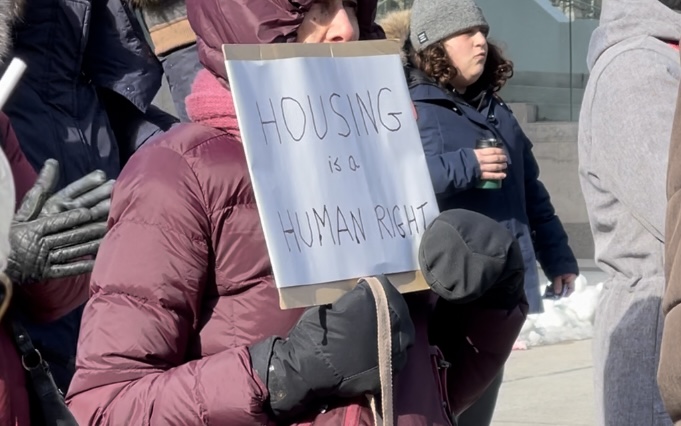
[[466, 256], [331, 353], [51, 234]]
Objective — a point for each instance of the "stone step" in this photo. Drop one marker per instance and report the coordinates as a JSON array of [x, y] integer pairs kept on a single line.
[[558, 112], [524, 112], [551, 131]]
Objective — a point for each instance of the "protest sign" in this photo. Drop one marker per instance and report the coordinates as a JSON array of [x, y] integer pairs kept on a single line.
[[336, 163]]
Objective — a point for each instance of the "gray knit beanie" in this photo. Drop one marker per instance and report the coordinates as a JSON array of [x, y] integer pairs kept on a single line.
[[435, 20]]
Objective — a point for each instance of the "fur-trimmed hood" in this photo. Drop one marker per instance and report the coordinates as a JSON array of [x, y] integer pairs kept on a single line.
[[396, 27], [10, 11]]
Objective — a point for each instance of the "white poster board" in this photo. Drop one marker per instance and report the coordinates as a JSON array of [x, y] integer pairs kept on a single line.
[[335, 159]]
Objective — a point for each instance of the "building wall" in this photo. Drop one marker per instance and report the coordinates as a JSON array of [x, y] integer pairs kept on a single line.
[[536, 35], [555, 148]]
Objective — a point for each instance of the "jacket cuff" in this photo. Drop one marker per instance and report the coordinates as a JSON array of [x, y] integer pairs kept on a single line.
[[472, 164], [561, 266]]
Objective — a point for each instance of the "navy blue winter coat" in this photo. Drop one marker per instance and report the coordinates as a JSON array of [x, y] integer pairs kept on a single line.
[[85, 101], [85, 97], [449, 127]]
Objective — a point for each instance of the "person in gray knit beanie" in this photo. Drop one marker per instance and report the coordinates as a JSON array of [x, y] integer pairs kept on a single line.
[[436, 20], [454, 74]]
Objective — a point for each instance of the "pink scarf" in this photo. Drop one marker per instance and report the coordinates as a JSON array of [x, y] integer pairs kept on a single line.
[[210, 103]]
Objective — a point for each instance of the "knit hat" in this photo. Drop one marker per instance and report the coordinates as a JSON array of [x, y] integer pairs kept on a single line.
[[435, 20]]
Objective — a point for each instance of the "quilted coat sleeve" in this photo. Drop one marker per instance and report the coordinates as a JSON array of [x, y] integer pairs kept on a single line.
[[550, 239], [147, 287], [452, 171]]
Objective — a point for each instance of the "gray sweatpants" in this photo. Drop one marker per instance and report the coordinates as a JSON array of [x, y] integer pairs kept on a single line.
[[626, 351]]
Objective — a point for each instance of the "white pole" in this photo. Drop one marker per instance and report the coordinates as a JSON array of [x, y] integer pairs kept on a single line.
[[10, 79]]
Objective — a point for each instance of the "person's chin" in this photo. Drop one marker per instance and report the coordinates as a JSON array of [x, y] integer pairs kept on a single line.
[[476, 76]]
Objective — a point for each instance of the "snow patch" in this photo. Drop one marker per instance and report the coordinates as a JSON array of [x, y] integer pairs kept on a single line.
[[563, 320]]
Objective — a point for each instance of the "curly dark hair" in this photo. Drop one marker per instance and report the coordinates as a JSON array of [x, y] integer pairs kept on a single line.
[[434, 62]]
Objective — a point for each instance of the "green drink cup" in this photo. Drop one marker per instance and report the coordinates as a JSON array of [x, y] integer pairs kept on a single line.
[[488, 143]]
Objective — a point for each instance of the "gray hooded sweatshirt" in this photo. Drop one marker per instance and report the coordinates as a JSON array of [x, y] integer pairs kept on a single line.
[[625, 128]]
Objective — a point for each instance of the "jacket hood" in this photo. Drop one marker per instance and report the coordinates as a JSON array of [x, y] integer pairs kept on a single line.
[[622, 20], [424, 88], [396, 25], [218, 22]]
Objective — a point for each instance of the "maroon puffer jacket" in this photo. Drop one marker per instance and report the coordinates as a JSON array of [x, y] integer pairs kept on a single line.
[[183, 285]]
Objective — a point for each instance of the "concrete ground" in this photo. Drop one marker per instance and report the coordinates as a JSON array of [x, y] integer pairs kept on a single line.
[[549, 385]]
